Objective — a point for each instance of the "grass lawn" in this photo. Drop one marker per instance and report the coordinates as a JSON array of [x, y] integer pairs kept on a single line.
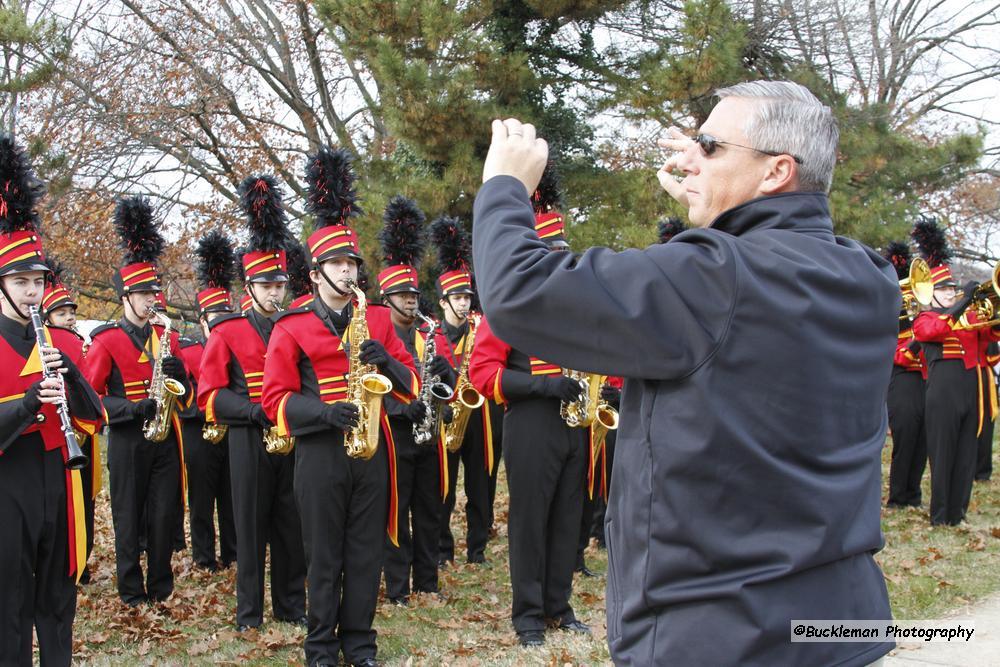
[[928, 572]]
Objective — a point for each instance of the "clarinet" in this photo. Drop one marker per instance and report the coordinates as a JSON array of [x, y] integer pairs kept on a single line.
[[76, 459]]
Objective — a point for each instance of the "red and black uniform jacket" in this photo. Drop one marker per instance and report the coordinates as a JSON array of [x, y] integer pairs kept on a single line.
[[77, 350], [906, 358], [119, 365], [231, 375], [20, 428], [191, 352], [306, 370], [415, 342], [459, 344], [967, 346]]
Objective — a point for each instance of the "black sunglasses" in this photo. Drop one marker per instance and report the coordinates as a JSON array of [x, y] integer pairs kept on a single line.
[[708, 144]]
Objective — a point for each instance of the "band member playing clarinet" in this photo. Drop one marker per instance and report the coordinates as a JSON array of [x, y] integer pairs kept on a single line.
[[146, 476], [44, 541], [321, 359], [229, 392]]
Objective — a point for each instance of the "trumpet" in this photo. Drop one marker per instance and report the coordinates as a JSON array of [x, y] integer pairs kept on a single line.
[[921, 287], [985, 303]]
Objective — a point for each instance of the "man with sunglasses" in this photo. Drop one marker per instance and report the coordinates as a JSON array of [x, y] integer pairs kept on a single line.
[[757, 350]]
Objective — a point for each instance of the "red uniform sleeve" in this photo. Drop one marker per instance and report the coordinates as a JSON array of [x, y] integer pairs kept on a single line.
[[281, 378], [615, 381], [97, 368], [407, 386], [213, 374], [932, 327], [489, 359]]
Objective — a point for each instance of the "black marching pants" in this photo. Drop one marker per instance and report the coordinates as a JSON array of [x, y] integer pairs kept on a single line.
[[984, 456], [418, 481], [36, 590], [589, 502], [952, 415], [545, 461], [209, 491], [265, 513], [343, 503], [602, 504], [145, 498], [478, 512], [905, 402]]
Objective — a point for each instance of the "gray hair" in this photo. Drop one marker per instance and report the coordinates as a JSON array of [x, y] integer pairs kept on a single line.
[[789, 119]]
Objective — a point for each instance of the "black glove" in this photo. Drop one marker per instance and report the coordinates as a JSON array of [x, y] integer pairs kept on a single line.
[[174, 368], [611, 395], [447, 414], [31, 402], [342, 415], [146, 408], [441, 367], [72, 373], [914, 346], [415, 411], [373, 352], [562, 387], [258, 418], [969, 291]]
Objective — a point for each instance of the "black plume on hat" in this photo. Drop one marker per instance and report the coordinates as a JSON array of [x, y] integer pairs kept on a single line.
[[899, 255], [299, 282], [58, 273], [931, 241], [548, 195], [402, 235], [140, 237], [454, 244], [669, 228], [332, 198], [261, 197], [20, 190], [216, 260]]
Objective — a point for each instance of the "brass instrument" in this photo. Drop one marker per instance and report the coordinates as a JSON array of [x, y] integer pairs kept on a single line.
[[606, 419], [162, 389], [985, 303], [213, 433], [921, 285], [274, 442], [75, 458], [582, 412], [468, 399], [433, 393], [365, 387]]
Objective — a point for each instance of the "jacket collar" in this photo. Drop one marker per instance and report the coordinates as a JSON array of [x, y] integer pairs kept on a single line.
[[807, 212]]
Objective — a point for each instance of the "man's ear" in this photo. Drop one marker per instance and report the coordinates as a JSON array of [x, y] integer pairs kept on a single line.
[[782, 175]]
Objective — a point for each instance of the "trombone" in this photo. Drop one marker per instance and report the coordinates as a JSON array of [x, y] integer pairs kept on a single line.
[[985, 303], [921, 287]]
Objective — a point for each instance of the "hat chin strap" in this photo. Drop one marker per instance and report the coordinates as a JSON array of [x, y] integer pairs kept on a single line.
[[332, 284]]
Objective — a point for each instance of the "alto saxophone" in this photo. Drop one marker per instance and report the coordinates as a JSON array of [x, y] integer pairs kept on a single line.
[[605, 419], [213, 433], [581, 412], [162, 389], [365, 386], [433, 393], [274, 442], [468, 398]]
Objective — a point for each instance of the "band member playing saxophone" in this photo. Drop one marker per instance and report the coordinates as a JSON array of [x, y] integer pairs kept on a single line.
[[147, 477], [420, 455], [545, 461], [42, 529], [229, 392], [316, 387], [468, 438]]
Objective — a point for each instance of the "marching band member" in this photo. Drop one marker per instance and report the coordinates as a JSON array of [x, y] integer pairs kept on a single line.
[[59, 310], [421, 469], [611, 393], [146, 477], [545, 462], [41, 500], [299, 284], [961, 392], [454, 288], [209, 488], [230, 390], [346, 501], [905, 401]]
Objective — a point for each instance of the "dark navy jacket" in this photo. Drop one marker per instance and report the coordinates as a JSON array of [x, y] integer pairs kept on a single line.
[[745, 490]]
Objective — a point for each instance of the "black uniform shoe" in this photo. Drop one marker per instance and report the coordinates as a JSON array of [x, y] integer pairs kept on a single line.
[[240, 627], [401, 601], [476, 559], [586, 571], [531, 638], [302, 621], [575, 626], [367, 662]]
